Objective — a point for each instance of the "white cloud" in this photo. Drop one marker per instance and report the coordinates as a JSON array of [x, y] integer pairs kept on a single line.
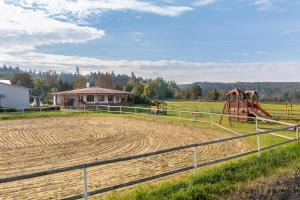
[[22, 29], [204, 2], [263, 4], [181, 71], [290, 31], [270, 5], [84, 8], [262, 52]]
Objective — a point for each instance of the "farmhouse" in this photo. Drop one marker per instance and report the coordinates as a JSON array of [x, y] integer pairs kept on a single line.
[[12, 96], [92, 96]]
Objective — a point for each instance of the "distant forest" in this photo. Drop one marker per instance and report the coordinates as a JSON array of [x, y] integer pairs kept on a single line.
[[288, 92], [145, 90]]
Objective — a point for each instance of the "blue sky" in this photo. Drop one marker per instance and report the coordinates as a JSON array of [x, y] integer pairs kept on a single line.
[[186, 41]]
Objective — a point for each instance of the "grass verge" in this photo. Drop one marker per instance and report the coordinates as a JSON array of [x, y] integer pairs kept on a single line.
[[219, 181]]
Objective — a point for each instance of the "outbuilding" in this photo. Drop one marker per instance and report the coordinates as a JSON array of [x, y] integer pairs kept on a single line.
[[13, 96], [92, 96]]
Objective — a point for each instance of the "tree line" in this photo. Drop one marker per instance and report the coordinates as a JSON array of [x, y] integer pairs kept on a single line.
[[144, 90]]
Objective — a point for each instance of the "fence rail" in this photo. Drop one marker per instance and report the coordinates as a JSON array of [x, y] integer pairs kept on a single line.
[[195, 165]]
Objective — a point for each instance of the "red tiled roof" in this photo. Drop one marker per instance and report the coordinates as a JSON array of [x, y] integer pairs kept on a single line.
[[92, 90]]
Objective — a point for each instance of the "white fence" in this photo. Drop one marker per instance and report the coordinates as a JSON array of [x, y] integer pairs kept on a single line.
[[194, 166]]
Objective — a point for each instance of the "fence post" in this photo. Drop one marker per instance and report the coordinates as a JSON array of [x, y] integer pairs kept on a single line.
[[258, 144], [85, 186], [256, 124], [195, 160], [297, 134], [211, 120], [108, 108], [179, 114], [120, 110]]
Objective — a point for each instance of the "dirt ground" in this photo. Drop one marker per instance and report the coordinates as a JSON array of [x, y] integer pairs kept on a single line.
[[32, 145]]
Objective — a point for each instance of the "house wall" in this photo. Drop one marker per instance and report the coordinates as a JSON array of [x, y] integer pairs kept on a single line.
[[13, 96], [96, 99], [58, 99]]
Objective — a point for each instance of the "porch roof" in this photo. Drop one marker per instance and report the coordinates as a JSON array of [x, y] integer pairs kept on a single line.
[[91, 90]]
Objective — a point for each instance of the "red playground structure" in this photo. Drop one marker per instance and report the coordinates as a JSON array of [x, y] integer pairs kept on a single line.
[[243, 105]]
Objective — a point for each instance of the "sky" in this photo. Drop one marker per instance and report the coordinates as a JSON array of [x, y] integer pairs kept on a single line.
[[181, 40]]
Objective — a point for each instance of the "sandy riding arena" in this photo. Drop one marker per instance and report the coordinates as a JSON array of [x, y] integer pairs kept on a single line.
[[32, 145]]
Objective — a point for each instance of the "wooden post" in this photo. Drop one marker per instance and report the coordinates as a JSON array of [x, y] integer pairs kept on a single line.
[[291, 112], [211, 120], [229, 114], [238, 107], [85, 186], [286, 113], [120, 110], [195, 160]]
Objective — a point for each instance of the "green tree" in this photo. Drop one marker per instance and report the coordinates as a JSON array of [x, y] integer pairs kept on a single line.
[[80, 82], [138, 88], [195, 91], [37, 90], [22, 79], [105, 81], [214, 95]]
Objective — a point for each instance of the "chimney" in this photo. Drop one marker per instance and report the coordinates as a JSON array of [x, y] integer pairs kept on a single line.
[[87, 84]]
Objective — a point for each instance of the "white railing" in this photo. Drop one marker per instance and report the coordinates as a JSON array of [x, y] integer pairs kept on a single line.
[[195, 165]]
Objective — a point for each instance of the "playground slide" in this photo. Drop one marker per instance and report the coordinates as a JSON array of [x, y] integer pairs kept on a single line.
[[262, 110], [258, 107], [255, 113]]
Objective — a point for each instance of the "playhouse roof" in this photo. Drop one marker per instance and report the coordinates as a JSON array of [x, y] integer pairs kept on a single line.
[[251, 93], [235, 91]]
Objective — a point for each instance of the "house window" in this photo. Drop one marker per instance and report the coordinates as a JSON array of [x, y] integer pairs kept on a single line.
[[90, 98], [110, 98], [101, 98], [117, 98]]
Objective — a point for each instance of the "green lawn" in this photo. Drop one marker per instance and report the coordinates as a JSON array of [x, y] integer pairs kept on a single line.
[[273, 109], [219, 181]]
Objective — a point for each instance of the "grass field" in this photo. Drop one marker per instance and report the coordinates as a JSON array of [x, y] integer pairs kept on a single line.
[[223, 181], [37, 141], [276, 110]]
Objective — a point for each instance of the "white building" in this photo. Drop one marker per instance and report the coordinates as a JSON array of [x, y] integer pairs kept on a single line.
[[92, 96], [12, 96]]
